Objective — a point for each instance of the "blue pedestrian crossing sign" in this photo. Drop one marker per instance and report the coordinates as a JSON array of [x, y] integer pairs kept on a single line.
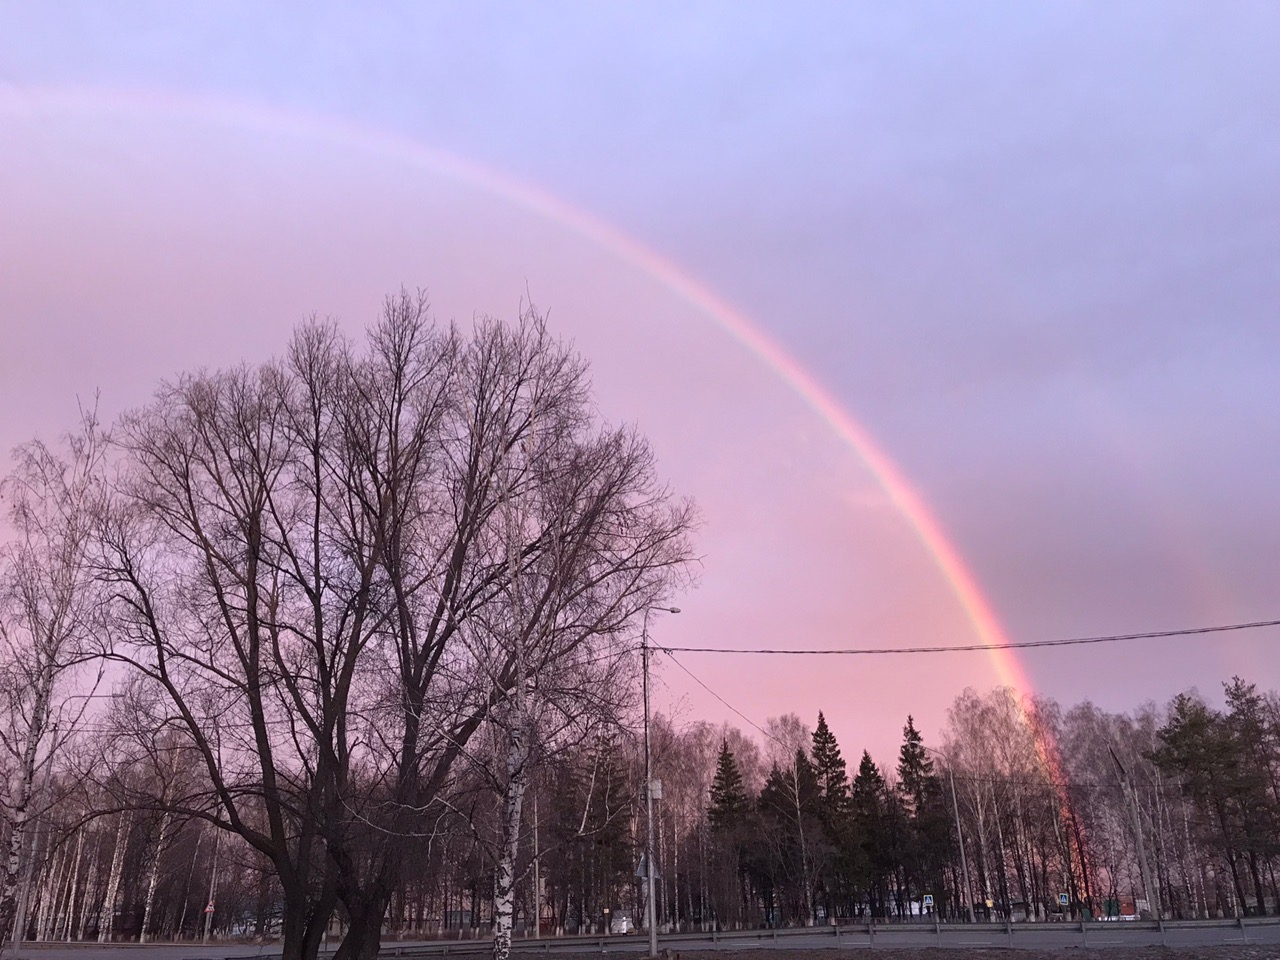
[[928, 899], [1062, 900]]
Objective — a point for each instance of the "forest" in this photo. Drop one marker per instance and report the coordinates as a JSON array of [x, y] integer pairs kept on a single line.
[[771, 830], [326, 649]]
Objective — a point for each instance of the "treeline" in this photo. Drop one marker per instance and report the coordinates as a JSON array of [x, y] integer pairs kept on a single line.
[[775, 830], [1026, 812]]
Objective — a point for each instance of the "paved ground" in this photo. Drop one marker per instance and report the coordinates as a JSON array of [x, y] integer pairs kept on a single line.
[[1114, 941]]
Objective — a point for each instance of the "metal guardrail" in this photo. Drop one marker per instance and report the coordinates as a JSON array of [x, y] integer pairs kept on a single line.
[[859, 934]]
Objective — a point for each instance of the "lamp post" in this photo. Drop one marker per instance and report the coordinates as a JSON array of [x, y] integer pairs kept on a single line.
[[651, 912]]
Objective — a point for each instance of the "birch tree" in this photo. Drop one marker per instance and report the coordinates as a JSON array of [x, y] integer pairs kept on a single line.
[[46, 617]]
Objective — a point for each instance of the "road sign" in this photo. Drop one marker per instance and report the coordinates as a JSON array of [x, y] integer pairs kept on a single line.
[[928, 899], [1063, 900], [209, 908]]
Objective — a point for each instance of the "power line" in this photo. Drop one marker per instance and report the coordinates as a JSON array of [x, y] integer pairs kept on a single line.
[[1015, 645], [699, 682]]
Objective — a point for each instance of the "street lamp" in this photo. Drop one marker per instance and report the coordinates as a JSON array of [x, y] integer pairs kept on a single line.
[[650, 909]]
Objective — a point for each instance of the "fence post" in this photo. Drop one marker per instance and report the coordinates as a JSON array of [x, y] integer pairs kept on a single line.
[[1084, 935], [1243, 936]]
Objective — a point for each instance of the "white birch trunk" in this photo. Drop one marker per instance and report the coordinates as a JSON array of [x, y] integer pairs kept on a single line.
[[155, 876], [675, 876], [13, 861], [21, 792], [106, 921], [1004, 861], [804, 847], [47, 910], [90, 886], [504, 876], [73, 887]]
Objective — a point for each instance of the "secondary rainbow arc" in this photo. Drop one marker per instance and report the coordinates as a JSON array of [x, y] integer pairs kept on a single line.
[[737, 325]]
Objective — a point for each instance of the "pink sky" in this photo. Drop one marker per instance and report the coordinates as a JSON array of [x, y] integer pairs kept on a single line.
[[1090, 481]]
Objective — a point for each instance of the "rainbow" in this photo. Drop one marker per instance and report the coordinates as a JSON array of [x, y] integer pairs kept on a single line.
[[960, 580]]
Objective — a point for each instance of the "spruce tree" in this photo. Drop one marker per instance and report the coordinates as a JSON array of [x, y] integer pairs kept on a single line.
[[915, 769], [786, 848], [924, 841], [833, 779], [729, 801], [869, 811]]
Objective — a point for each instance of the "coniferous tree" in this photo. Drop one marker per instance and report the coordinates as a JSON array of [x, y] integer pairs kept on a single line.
[[729, 801], [832, 776], [835, 880], [915, 769], [869, 812], [731, 827], [1253, 782], [792, 846], [1195, 749], [927, 836]]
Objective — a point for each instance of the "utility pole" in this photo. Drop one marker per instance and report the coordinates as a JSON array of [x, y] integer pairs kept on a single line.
[[213, 892], [651, 914], [1152, 895]]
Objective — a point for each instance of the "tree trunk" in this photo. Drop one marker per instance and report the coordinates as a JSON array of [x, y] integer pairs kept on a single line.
[[90, 884], [50, 883], [306, 917], [107, 918], [21, 799], [363, 937], [155, 876], [504, 874]]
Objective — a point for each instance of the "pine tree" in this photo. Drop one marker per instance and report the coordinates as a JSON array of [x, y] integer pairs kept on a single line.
[[787, 850], [729, 801], [915, 769], [868, 786], [733, 823], [1196, 745], [868, 806], [924, 842], [833, 779]]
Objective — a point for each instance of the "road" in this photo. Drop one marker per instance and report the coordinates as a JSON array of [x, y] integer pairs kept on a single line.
[[1030, 936]]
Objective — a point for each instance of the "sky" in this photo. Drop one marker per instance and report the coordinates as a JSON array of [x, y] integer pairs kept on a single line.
[[938, 311]]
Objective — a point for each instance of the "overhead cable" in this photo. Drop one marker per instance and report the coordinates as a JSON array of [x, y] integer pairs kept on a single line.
[[970, 647]]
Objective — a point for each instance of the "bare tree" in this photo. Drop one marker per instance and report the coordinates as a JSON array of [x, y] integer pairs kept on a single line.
[[46, 612], [307, 561]]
